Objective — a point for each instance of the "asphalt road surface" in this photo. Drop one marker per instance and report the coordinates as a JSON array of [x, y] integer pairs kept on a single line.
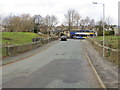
[[62, 65]]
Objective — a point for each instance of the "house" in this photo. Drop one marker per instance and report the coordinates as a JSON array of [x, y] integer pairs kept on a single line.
[[117, 30], [1, 28]]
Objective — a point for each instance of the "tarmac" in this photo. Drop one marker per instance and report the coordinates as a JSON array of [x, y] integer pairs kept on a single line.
[[107, 70]]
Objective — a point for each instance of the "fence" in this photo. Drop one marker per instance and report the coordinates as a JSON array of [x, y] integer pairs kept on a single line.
[[112, 54]]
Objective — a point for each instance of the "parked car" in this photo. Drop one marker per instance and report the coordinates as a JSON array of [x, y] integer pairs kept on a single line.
[[63, 38]]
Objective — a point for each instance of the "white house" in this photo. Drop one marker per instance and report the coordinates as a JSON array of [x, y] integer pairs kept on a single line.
[[1, 28], [117, 30]]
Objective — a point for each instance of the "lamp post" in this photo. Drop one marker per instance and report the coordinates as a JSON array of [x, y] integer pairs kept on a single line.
[[103, 26]]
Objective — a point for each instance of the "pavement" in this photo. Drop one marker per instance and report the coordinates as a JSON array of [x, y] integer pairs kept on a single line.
[[107, 70], [62, 65]]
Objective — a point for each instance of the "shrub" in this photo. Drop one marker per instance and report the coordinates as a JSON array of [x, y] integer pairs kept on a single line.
[[107, 33]]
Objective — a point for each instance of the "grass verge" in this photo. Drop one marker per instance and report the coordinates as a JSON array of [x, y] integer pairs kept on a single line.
[[110, 41]]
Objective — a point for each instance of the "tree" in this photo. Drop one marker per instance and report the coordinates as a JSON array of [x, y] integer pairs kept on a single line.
[[108, 21], [38, 23], [0, 19], [27, 23], [77, 19], [92, 24], [70, 18], [87, 23], [53, 20], [82, 23], [50, 21], [22, 23], [99, 28], [11, 23]]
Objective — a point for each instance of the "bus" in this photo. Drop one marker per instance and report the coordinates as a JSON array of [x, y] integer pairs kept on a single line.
[[81, 34]]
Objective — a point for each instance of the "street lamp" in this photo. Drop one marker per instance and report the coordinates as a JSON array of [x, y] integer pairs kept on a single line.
[[103, 26]]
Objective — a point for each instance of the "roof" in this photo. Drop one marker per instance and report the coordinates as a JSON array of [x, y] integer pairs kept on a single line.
[[117, 27], [81, 30]]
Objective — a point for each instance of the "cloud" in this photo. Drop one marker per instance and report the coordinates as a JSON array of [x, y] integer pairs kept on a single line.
[[60, 7]]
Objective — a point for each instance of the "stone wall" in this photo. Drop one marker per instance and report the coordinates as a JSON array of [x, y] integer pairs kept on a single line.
[[15, 49], [111, 54]]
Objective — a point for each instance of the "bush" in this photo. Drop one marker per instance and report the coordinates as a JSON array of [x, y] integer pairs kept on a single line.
[[107, 33], [111, 32], [100, 33], [45, 32]]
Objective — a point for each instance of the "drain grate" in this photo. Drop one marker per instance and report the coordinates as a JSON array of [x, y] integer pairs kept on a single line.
[[70, 81]]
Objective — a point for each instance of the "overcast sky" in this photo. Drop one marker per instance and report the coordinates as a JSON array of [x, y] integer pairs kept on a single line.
[[60, 7]]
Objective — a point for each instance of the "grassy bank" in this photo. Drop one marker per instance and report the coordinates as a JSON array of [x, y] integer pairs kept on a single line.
[[110, 41], [16, 38]]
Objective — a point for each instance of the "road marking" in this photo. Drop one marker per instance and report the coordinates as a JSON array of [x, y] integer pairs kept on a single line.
[[98, 77]]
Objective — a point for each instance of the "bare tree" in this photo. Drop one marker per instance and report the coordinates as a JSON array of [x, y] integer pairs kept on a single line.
[[92, 24], [0, 19], [38, 23], [70, 18], [83, 23], [27, 22], [1, 25], [87, 21], [10, 22], [53, 20], [50, 21], [77, 19], [23, 23], [38, 19], [108, 21]]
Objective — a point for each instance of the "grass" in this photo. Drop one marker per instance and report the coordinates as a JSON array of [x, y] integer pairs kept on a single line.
[[110, 41], [15, 38]]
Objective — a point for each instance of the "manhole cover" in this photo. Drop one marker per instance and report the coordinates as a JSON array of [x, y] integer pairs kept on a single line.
[[70, 81]]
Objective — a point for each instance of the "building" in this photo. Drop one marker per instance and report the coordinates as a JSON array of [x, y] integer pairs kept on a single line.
[[1, 28], [117, 30]]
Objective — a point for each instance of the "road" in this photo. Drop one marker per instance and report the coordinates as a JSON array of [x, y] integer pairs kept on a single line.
[[62, 65]]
